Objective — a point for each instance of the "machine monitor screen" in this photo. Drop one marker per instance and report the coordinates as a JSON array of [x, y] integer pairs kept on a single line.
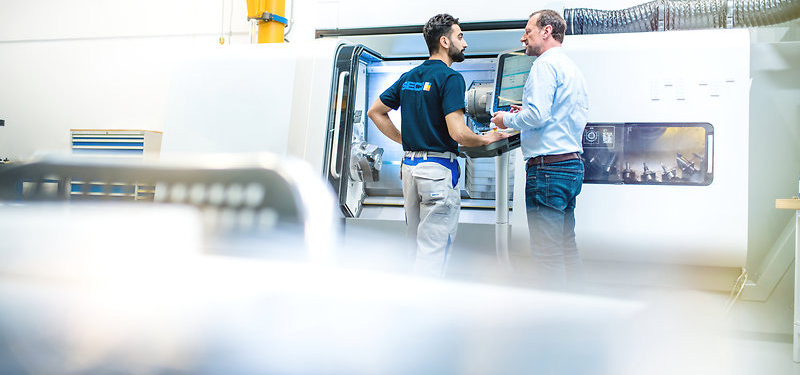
[[513, 69]]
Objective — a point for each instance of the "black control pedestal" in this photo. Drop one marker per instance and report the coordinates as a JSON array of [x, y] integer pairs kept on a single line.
[[491, 150]]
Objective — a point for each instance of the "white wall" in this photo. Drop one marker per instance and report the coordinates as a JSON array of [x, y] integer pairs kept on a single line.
[[104, 64], [774, 163], [107, 64], [371, 13]]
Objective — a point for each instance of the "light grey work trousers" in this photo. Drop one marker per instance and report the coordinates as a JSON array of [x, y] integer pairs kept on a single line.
[[432, 206]]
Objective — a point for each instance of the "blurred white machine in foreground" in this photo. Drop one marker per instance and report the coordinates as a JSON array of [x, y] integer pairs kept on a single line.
[[86, 297], [254, 195]]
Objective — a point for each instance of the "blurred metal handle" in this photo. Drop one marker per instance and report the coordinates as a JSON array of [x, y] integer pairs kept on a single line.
[[337, 124]]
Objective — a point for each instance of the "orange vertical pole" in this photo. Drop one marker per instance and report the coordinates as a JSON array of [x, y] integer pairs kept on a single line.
[[272, 31], [269, 31]]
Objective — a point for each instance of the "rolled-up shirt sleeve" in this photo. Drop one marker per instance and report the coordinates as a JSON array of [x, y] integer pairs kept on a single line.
[[537, 99]]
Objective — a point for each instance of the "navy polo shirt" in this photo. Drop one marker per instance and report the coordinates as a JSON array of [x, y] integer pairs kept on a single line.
[[425, 95]]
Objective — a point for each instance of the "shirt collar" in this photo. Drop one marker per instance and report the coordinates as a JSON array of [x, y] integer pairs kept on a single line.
[[433, 62], [552, 49]]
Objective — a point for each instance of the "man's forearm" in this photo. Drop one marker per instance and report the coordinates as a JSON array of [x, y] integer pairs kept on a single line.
[[461, 133], [470, 139]]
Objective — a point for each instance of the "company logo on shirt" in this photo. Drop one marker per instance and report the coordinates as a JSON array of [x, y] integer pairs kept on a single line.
[[416, 86]]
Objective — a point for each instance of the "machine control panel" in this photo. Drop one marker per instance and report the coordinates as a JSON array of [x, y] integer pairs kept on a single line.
[[599, 136], [513, 69]]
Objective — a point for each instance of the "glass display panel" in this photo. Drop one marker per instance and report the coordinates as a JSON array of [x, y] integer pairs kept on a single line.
[[513, 70], [648, 153]]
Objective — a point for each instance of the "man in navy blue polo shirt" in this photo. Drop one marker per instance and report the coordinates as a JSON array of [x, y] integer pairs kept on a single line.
[[431, 102]]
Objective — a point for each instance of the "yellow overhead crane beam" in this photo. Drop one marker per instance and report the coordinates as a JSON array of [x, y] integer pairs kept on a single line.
[[271, 19]]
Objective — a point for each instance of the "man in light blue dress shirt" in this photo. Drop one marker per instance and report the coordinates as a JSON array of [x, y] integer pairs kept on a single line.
[[551, 120]]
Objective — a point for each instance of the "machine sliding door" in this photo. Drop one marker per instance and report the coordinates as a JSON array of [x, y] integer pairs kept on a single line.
[[349, 160]]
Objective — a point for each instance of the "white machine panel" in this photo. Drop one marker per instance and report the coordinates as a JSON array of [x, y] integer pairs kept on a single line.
[[677, 76], [253, 98], [261, 78]]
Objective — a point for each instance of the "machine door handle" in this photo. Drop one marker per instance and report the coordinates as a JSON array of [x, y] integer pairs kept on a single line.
[[337, 124]]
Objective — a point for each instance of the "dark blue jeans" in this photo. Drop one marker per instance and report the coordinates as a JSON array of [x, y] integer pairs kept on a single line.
[[550, 192]]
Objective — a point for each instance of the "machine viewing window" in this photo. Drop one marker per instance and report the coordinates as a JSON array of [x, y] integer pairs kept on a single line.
[[513, 69], [649, 153]]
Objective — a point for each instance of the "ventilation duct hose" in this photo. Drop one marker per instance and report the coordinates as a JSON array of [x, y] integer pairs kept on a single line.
[[660, 15]]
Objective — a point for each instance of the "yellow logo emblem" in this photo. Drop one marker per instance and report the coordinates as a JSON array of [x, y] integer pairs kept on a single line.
[[427, 86]]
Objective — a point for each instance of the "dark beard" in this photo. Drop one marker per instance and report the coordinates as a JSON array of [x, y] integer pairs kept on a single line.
[[534, 51], [456, 55]]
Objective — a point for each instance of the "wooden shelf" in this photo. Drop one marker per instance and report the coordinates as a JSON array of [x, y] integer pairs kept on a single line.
[[788, 204]]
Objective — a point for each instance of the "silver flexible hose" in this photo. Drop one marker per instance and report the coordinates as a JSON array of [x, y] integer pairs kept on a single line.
[[659, 15]]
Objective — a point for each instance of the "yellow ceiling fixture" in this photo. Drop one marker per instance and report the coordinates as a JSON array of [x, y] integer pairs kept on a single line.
[[267, 20]]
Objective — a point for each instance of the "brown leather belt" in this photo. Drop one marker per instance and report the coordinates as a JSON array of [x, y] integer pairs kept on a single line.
[[547, 159]]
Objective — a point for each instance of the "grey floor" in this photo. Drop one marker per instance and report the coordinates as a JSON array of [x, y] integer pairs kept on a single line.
[[760, 333], [695, 335], [688, 330]]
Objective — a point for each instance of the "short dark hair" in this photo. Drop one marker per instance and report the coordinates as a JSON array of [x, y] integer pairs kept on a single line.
[[437, 26], [554, 20]]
